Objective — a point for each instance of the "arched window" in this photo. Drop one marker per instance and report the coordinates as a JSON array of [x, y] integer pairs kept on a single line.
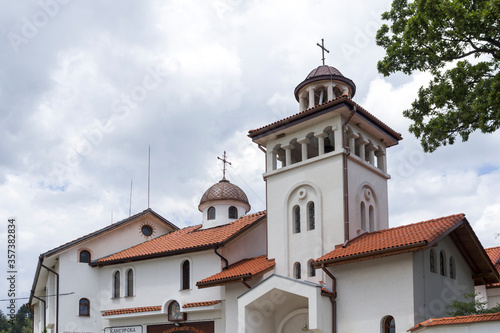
[[297, 270], [389, 325], [296, 219], [453, 273], [311, 218], [312, 270], [211, 213], [232, 212], [432, 259], [442, 263], [130, 282], [371, 218], [84, 256], [116, 284], [185, 275], [363, 216], [84, 307]]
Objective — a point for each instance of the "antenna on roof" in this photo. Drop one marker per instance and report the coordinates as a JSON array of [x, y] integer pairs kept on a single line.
[[130, 204], [149, 173]]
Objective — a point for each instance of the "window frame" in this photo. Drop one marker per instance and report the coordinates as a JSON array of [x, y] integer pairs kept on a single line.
[[211, 216], [312, 269], [87, 305], [389, 325], [442, 263], [235, 212], [297, 271], [129, 291], [80, 256], [432, 261], [116, 284], [186, 275], [311, 216], [296, 219], [453, 268]]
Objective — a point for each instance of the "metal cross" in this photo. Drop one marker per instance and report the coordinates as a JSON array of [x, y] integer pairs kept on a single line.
[[323, 50], [224, 161]]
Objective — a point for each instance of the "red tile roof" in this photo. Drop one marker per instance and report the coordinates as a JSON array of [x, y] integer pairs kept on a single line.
[[337, 100], [197, 304], [132, 310], [245, 269], [494, 255], [407, 238], [185, 240], [458, 320]]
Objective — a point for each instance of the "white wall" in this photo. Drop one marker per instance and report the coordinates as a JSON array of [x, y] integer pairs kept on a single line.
[[370, 290]]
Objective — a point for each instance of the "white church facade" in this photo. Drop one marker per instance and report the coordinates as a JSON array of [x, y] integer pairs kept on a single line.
[[321, 258]]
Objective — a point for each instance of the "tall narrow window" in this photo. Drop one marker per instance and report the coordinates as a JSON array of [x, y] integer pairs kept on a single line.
[[312, 270], [389, 325], [363, 216], [233, 212], [371, 218], [116, 284], [211, 213], [311, 217], [296, 219], [453, 273], [84, 256], [297, 271], [442, 264], [130, 282], [185, 275], [432, 259], [84, 307]]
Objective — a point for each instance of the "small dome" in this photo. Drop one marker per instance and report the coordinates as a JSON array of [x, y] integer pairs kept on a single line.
[[325, 73], [224, 190]]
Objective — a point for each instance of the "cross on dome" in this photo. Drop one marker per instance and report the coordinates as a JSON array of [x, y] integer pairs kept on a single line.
[[323, 49], [224, 162]]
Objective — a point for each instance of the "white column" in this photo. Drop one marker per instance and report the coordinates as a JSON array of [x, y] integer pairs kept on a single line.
[[381, 160], [302, 103], [371, 154], [304, 143], [321, 143], [311, 97], [352, 142], [330, 91], [288, 154], [362, 152], [272, 160]]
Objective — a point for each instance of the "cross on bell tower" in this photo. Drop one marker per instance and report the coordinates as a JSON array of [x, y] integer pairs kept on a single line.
[[224, 162], [323, 49]]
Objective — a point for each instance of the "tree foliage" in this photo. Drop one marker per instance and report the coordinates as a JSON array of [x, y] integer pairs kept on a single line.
[[22, 323], [472, 305], [458, 42]]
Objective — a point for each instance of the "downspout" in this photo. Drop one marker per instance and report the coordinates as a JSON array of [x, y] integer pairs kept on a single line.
[[220, 255], [346, 188], [332, 299], [265, 180], [57, 296], [44, 313]]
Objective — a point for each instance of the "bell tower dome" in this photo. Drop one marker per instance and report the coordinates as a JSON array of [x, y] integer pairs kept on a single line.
[[223, 202], [323, 84]]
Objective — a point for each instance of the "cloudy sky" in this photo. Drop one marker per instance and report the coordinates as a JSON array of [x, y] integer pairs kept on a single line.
[[86, 87]]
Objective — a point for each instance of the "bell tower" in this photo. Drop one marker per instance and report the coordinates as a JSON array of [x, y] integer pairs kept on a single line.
[[326, 173]]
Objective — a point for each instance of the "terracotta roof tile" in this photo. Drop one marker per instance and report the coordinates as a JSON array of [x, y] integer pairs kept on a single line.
[[316, 108], [244, 269], [197, 304], [184, 240], [404, 238], [458, 320], [494, 255], [132, 310]]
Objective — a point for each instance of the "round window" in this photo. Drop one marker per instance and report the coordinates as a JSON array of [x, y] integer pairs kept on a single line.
[[147, 230]]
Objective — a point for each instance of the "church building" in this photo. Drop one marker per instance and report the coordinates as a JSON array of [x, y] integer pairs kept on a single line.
[[321, 258]]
